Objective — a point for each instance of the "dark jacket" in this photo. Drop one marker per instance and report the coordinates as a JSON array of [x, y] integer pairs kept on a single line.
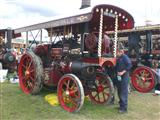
[[123, 63]]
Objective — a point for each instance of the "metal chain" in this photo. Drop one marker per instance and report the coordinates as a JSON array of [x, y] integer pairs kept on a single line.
[[100, 34], [115, 37]]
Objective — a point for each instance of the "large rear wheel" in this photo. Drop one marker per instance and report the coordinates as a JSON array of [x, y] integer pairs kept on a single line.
[[103, 90], [70, 93], [30, 71]]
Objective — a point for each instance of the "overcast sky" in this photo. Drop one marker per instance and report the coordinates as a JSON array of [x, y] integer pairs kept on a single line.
[[20, 13]]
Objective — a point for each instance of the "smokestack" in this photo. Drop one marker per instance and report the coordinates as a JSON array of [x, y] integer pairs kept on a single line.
[[9, 38], [85, 4]]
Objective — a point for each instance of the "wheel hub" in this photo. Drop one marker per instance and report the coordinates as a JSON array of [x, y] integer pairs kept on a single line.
[[101, 93], [27, 73], [67, 92], [143, 79], [100, 88]]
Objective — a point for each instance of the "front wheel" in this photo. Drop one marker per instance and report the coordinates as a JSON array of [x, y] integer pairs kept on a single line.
[[30, 72], [70, 93]]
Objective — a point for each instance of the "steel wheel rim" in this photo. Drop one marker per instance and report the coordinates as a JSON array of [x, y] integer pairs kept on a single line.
[[70, 94], [101, 92], [143, 79], [26, 71]]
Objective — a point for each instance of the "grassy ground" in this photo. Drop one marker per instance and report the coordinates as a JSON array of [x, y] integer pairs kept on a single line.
[[16, 105]]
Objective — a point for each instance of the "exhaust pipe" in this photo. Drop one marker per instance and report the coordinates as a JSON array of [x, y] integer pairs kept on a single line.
[[85, 4]]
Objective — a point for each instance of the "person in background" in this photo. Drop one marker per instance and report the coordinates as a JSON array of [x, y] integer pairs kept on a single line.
[[147, 57], [157, 71], [1, 45], [106, 44], [123, 67], [134, 43]]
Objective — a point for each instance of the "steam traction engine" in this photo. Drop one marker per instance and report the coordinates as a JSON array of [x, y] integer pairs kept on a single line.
[[77, 63], [144, 77], [143, 47], [7, 58]]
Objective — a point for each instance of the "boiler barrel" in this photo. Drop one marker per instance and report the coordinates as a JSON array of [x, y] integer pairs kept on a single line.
[[77, 66], [8, 57]]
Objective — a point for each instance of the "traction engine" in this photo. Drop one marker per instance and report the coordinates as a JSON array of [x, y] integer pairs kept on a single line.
[[7, 58], [76, 65], [144, 77], [74, 78]]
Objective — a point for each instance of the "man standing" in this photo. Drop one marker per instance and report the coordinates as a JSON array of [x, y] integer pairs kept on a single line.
[[122, 68]]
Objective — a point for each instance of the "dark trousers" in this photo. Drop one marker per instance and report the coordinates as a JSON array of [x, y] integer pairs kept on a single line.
[[122, 89]]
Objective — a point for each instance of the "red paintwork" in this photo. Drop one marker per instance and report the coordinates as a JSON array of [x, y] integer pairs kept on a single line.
[[69, 94], [154, 52], [26, 72], [91, 42], [100, 61], [51, 77], [108, 21], [42, 49], [56, 65], [56, 53]]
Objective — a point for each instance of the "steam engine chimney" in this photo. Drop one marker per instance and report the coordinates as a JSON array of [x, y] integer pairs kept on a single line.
[[85, 4]]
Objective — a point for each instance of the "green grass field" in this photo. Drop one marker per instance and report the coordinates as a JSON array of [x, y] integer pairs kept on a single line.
[[15, 105]]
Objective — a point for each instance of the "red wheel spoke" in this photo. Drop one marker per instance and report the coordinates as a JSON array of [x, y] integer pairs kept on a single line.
[[74, 85], [31, 84], [102, 81], [28, 72], [31, 71], [98, 97], [77, 97], [22, 78], [26, 83], [106, 87], [68, 84], [65, 83], [148, 79], [32, 78], [23, 66], [74, 90], [72, 101], [142, 73], [27, 62], [103, 96], [106, 93], [147, 75], [30, 65], [137, 76], [93, 89], [63, 92]]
